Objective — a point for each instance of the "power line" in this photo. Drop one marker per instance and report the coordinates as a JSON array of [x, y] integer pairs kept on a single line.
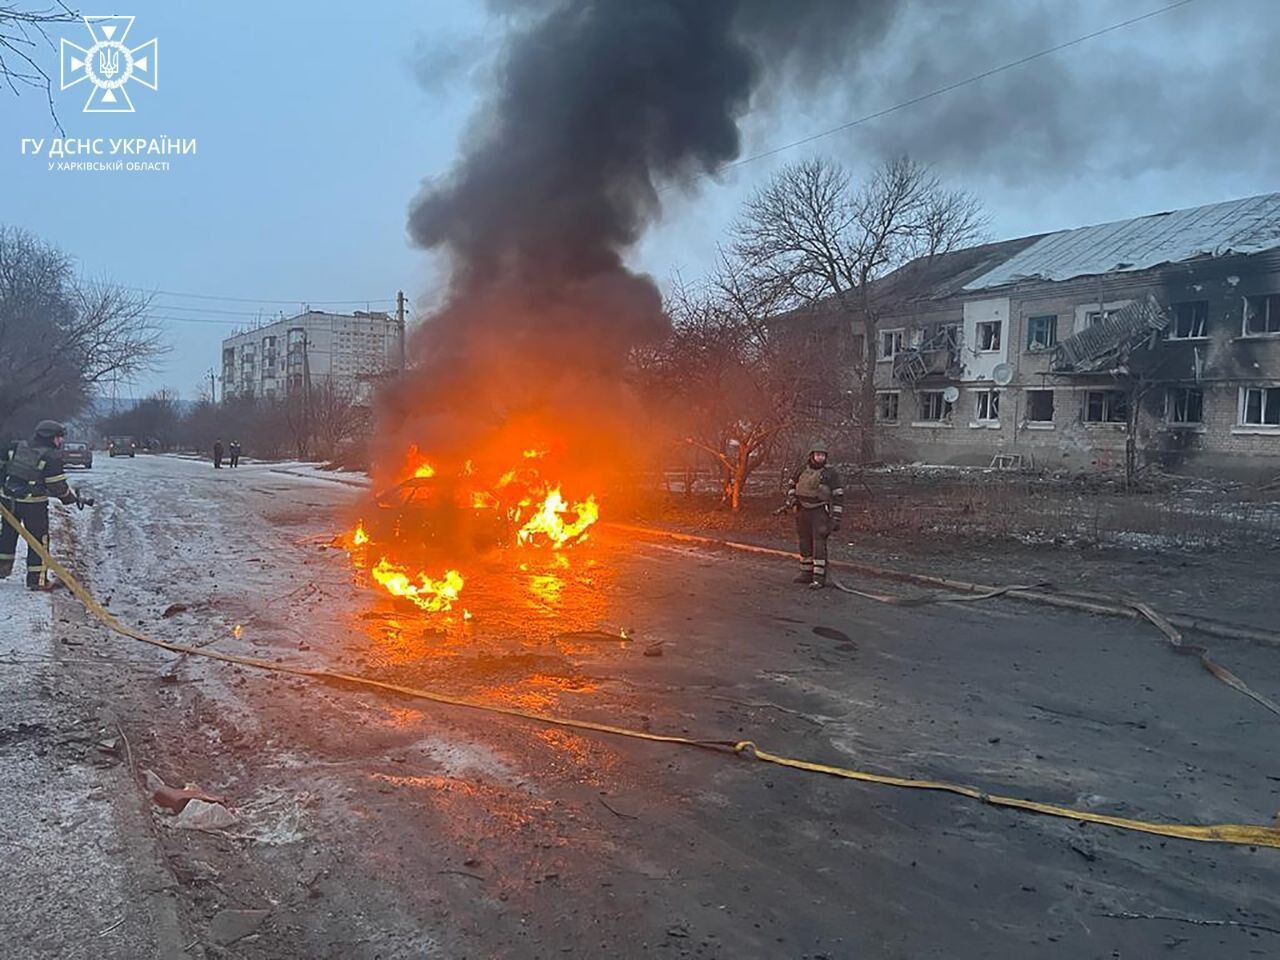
[[902, 105], [297, 302]]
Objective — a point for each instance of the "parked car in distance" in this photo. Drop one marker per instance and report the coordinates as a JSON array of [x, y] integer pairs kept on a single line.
[[122, 447], [77, 454]]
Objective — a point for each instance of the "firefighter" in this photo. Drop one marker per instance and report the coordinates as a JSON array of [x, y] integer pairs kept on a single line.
[[234, 450], [217, 454], [818, 499], [32, 473]]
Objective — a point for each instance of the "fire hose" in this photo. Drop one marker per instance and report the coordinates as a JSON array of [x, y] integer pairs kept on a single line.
[[962, 592], [1258, 835]]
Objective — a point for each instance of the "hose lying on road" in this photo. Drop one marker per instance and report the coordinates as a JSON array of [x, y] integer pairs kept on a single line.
[[1090, 603], [1233, 833]]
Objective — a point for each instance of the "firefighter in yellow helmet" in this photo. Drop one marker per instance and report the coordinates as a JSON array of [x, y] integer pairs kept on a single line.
[[817, 496]]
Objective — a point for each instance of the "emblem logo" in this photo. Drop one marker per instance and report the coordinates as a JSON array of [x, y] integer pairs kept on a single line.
[[109, 64]]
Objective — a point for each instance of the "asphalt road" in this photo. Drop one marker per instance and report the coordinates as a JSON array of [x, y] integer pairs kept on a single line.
[[376, 827]]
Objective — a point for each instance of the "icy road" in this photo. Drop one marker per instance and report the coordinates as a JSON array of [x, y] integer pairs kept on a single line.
[[375, 827]]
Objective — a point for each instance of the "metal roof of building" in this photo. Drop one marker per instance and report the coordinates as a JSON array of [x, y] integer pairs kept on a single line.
[[1251, 225]]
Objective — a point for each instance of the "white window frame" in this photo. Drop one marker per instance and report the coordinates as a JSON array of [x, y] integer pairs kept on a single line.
[[898, 340], [1170, 406], [1268, 299], [999, 336], [1171, 333], [1035, 346], [1043, 424], [948, 409], [992, 398], [897, 407], [1261, 426], [1108, 400]]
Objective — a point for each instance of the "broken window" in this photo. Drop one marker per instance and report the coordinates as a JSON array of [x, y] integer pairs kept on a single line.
[[934, 406], [1106, 406], [1040, 406], [987, 404], [1189, 320], [1042, 332], [989, 335], [1262, 315], [1095, 317], [1184, 405], [1260, 406], [891, 342], [887, 407]]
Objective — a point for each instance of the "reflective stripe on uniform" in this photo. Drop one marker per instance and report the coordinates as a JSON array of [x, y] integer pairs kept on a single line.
[[58, 479], [39, 498]]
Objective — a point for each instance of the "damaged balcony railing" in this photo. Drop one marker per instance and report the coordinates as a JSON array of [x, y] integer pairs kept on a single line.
[[936, 355], [1105, 347]]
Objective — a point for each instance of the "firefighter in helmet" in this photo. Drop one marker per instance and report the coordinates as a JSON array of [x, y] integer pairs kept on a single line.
[[30, 473], [817, 496]]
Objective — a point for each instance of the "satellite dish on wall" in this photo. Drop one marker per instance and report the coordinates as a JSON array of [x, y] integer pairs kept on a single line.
[[1002, 374], [951, 394]]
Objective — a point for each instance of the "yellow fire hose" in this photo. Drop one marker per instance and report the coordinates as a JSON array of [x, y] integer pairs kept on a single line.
[[1233, 833]]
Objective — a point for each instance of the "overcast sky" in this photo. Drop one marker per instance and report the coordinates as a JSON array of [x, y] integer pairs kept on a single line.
[[316, 130]]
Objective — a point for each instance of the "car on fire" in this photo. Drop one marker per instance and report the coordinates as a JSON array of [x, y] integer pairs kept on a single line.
[[77, 454], [122, 447], [425, 511]]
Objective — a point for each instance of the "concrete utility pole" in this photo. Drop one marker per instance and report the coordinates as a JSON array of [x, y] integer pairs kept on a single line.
[[213, 394], [400, 325]]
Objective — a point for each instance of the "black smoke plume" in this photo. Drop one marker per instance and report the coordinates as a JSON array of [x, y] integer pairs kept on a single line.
[[599, 105]]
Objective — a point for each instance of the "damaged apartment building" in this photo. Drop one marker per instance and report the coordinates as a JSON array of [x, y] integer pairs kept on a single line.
[[1051, 351]]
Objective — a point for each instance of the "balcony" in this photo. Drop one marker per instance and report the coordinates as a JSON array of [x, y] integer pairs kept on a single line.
[[936, 356]]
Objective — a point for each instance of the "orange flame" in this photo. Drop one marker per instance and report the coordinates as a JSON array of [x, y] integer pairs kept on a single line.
[[358, 537], [549, 522], [435, 596], [534, 454]]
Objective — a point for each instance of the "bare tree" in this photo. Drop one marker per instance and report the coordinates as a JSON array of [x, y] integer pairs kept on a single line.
[[728, 382], [811, 236], [61, 336], [335, 416], [23, 30]]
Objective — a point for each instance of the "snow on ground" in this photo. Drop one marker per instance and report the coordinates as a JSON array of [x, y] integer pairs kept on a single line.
[[80, 876]]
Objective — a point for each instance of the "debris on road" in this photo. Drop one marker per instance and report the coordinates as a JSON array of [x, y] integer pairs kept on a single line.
[[173, 798], [202, 815]]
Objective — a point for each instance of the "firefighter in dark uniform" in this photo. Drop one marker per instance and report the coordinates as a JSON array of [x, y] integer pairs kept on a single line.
[[818, 498], [32, 472]]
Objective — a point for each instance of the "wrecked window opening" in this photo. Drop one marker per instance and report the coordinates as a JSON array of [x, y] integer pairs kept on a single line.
[[934, 407], [1042, 332], [891, 343], [887, 407], [1040, 406], [1095, 317], [1106, 406], [987, 405], [989, 335], [1190, 320], [1262, 315], [1184, 405], [1260, 406]]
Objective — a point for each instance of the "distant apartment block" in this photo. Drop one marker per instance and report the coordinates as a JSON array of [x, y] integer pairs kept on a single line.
[[348, 351]]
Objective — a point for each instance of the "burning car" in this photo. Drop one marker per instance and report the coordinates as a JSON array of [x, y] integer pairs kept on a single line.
[[422, 512], [426, 522]]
